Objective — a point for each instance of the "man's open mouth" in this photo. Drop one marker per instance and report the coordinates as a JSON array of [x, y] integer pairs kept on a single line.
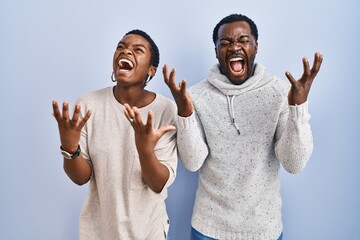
[[237, 64]]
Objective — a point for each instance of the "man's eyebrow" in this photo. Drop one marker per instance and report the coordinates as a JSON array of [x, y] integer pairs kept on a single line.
[[225, 38], [244, 35]]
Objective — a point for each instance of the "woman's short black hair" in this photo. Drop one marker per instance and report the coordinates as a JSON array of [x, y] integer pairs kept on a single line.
[[155, 55]]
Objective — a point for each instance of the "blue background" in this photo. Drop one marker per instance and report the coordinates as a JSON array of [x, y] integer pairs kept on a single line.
[[63, 49]]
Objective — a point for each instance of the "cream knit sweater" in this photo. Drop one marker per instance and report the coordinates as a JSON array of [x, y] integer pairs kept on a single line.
[[237, 139], [119, 204]]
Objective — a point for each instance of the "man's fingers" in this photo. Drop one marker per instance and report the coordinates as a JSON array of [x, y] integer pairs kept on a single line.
[[172, 83], [306, 67], [317, 63], [291, 78], [165, 73], [183, 87], [170, 78]]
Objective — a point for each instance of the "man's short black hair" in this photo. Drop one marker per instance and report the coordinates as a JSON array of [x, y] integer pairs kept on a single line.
[[234, 18], [155, 55]]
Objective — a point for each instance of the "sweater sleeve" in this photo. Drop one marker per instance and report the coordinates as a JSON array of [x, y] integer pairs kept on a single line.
[[191, 142], [294, 142]]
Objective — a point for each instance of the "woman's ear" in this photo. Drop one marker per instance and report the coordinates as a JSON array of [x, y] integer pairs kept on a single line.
[[152, 71]]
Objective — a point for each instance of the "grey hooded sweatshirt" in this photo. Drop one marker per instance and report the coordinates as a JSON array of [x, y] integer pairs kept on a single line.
[[238, 137]]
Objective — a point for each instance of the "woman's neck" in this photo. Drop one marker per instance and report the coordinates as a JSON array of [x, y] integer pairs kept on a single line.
[[134, 97]]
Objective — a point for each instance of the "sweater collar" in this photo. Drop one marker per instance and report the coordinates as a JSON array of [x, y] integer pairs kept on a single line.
[[224, 85]]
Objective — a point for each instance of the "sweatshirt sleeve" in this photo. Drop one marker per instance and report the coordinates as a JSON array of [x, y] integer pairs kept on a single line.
[[166, 153], [191, 142], [294, 141]]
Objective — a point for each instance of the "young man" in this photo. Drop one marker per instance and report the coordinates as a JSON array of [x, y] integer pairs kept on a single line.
[[129, 164], [237, 127]]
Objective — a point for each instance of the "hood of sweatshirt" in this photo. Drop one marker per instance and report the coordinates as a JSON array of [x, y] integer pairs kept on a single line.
[[221, 82], [230, 90]]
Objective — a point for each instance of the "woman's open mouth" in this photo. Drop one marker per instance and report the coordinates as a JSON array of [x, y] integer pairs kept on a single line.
[[125, 65]]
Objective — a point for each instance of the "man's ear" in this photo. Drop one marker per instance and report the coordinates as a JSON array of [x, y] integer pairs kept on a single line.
[[216, 54]]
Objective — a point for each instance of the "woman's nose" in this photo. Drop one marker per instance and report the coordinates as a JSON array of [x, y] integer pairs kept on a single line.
[[125, 51]]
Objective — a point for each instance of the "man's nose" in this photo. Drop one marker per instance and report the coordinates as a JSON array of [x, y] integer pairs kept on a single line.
[[235, 46]]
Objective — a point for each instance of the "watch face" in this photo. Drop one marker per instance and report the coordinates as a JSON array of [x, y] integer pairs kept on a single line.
[[69, 155], [65, 154]]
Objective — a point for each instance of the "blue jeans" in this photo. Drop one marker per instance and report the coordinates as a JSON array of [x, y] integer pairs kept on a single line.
[[195, 235]]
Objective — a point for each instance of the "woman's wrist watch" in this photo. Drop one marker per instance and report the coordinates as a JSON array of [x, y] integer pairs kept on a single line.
[[68, 155]]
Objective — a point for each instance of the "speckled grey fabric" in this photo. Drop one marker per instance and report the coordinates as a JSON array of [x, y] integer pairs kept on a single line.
[[238, 195]]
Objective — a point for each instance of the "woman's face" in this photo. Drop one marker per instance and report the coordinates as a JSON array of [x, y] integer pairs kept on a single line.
[[132, 58]]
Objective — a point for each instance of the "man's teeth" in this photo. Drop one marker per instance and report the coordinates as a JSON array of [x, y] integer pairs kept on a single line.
[[236, 59], [126, 61]]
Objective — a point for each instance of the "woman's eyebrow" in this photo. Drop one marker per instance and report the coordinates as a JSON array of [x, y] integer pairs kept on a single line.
[[139, 45], [134, 45]]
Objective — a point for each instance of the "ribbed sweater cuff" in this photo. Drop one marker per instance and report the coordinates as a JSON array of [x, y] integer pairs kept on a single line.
[[299, 112], [187, 122]]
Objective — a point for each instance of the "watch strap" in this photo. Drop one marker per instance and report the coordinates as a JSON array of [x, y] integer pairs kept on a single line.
[[68, 155]]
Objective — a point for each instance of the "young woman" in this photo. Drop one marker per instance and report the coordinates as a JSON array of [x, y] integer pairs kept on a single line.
[[121, 140]]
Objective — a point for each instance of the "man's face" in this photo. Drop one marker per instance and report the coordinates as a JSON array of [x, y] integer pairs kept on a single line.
[[236, 49]]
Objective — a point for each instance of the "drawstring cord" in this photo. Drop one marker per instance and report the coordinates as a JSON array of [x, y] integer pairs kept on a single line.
[[230, 100]]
